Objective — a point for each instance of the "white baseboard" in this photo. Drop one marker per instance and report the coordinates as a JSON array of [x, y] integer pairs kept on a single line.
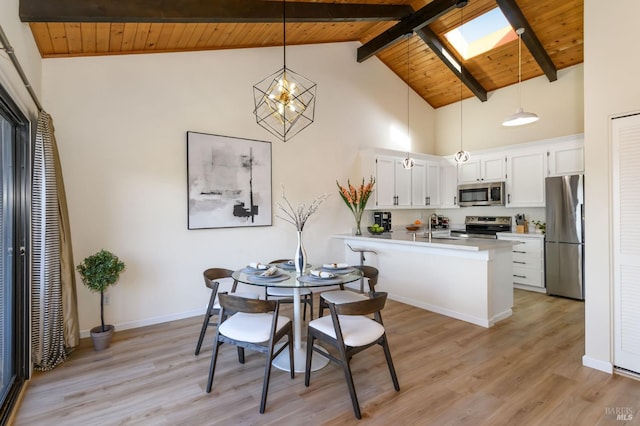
[[597, 364], [530, 288], [151, 321], [482, 322]]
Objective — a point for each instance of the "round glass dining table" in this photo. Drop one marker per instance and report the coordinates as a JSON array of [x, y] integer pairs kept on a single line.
[[288, 278]]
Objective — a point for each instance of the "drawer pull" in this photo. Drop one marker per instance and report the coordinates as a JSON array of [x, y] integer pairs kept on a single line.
[[519, 276], [522, 263], [516, 251]]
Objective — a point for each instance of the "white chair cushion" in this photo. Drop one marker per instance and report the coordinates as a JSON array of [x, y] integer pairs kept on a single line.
[[285, 292], [357, 330], [216, 303], [253, 328], [342, 296]]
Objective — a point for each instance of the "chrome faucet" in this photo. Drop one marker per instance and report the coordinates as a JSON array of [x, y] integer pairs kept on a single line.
[[433, 215]]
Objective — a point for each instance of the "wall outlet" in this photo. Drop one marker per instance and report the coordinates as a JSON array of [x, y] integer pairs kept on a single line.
[[107, 298]]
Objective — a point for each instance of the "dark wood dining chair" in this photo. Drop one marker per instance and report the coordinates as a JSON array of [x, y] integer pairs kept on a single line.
[[255, 325], [211, 277], [285, 295], [349, 330], [346, 295]]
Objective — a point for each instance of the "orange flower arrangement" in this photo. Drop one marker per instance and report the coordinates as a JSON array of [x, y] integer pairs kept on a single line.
[[356, 199]]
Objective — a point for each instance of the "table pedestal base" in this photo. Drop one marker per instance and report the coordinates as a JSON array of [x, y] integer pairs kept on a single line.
[[281, 362]]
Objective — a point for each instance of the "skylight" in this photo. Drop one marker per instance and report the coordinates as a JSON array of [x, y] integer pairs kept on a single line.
[[481, 34]]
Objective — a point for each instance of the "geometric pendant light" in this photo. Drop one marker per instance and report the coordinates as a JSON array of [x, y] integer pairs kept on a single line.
[[284, 101], [461, 156], [408, 162], [520, 117]]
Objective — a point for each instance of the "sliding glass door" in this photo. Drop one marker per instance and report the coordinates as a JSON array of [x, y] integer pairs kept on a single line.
[[14, 198]]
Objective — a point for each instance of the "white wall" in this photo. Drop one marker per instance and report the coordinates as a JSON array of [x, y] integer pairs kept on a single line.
[[611, 88], [121, 123], [22, 42], [559, 105]]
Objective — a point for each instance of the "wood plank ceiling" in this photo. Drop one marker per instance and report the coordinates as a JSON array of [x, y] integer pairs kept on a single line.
[[557, 24]]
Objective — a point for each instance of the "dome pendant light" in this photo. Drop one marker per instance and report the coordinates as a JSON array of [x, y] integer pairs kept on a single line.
[[408, 162], [520, 117]]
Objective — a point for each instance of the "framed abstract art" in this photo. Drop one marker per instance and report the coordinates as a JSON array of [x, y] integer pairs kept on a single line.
[[229, 181]]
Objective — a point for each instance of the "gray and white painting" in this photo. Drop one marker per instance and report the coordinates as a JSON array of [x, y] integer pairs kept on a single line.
[[229, 181]]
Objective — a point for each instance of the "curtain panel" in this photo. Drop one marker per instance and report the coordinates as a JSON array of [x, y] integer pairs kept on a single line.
[[54, 314]]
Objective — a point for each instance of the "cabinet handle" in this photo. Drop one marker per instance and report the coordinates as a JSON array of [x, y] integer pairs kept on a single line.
[[455, 200], [509, 199], [516, 251], [519, 276], [522, 263], [428, 201]]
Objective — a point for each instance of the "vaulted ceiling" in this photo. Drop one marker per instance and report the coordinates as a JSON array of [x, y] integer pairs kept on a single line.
[[553, 39]]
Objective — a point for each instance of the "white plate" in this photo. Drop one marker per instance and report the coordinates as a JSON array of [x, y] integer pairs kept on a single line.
[[335, 265]]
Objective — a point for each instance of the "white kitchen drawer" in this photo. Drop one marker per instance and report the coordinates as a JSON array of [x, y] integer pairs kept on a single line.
[[531, 247], [530, 260], [527, 276]]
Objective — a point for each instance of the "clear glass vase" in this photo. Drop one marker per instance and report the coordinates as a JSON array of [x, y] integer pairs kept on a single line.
[[358, 218], [300, 258]]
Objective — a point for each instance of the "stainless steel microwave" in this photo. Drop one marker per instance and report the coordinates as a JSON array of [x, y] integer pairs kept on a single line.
[[481, 194]]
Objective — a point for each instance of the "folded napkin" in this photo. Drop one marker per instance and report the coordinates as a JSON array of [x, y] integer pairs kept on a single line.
[[321, 274], [270, 272], [335, 265], [258, 265]]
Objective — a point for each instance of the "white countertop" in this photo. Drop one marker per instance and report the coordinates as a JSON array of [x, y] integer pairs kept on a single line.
[[407, 238], [523, 235]]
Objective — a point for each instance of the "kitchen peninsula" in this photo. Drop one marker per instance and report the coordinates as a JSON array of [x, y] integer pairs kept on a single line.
[[468, 279]]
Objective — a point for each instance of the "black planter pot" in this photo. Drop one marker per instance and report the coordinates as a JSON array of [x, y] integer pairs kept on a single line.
[[102, 339]]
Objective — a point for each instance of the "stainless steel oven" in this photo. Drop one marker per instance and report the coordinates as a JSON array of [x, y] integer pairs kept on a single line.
[[481, 194], [483, 226]]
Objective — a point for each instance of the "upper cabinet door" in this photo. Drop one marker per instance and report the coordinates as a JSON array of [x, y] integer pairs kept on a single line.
[[403, 184], [525, 179], [448, 185], [482, 169], [385, 182], [567, 159], [433, 185], [493, 169], [419, 184], [469, 172]]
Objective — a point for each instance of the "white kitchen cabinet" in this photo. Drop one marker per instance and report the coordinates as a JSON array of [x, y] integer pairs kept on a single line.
[[448, 184], [425, 184], [402, 184], [419, 183], [385, 188], [528, 261], [397, 187], [525, 179], [566, 159], [482, 169], [393, 183]]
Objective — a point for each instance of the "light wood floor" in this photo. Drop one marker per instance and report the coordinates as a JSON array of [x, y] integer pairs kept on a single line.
[[525, 371]]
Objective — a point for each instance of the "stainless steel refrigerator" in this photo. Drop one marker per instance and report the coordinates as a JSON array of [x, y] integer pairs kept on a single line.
[[564, 239]]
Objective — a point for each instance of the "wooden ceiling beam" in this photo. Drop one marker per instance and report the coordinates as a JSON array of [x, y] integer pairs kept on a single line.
[[410, 24], [198, 11], [517, 20], [432, 40]]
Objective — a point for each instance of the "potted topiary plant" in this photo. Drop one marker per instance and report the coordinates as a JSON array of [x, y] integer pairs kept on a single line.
[[98, 272]]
